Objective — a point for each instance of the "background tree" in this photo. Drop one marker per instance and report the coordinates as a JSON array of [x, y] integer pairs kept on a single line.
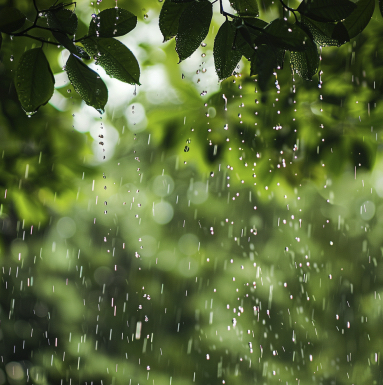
[[221, 239]]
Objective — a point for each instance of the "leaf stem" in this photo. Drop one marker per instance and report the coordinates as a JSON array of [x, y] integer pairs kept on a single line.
[[35, 5], [289, 9]]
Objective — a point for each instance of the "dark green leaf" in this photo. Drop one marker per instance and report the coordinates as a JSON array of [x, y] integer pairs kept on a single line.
[[112, 22], [82, 53], [340, 33], [245, 8], [359, 18], [225, 56], [63, 20], [193, 27], [381, 7], [326, 10], [182, 1], [263, 63], [34, 80], [321, 32], [169, 18], [305, 63], [285, 35], [11, 19], [87, 83], [65, 41], [247, 34], [116, 59]]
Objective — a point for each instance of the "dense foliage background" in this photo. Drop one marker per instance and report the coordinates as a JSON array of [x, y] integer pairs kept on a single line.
[[193, 233]]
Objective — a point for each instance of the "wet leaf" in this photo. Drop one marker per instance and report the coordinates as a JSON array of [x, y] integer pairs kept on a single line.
[[263, 63], [65, 41], [245, 8], [34, 80], [82, 53], [226, 57], [359, 18], [116, 59], [87, 83], [305, 63], [193, 27], [169, 18], [11, 19], [321, 32], [285, 35], [112, 22], [63, 20], [326, 10], [340, 33], [247, 35]]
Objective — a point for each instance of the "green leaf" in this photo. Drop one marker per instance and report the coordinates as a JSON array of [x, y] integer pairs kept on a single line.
[[112, 22], [169, 18], [326, 10], [263, 63], [87, 83], [305, 63], [82, 53], [63, 20], [182, 1], [285, 35], [11, 19], [65, 41], [247, 35], [226, 57], [381, 7], [116, 59], [340, 33], [359, 18], [321, 32], [245, 8], [193, 27], [34, 80]]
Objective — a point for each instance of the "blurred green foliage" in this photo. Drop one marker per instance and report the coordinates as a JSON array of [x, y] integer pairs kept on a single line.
[[241, 241]]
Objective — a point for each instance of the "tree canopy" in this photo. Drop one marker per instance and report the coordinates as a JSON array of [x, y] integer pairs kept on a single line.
[[220, 221]]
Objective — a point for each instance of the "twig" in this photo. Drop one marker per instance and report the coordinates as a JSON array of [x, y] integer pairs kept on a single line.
[[290, 9]]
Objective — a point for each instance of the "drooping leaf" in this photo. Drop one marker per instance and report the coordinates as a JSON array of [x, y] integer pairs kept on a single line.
[[112, 22], [226, 57], [340, 33], [34, 80], [193, 27], [326, 10], [321, 32], [305, 63], [247, 35], [65, 41], [116, 59], [263, 63], [11, 19], [359, 18], [82, 53], [87, 83], [245, 8], [285, 35], [63, 20], [169, 18]]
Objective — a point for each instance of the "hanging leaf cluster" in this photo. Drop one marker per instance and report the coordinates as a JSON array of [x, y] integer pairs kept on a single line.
[[34, 80], [243, 33]]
